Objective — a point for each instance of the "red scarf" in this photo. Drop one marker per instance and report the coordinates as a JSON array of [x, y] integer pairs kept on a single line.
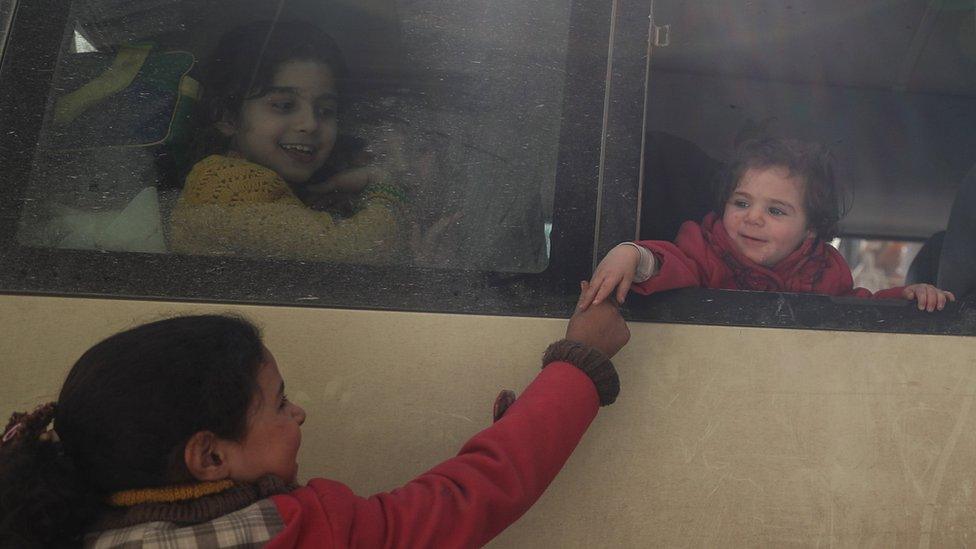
[[814, 267]]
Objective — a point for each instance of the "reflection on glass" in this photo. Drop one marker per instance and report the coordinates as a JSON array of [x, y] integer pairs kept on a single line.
[[432, 139], [878, 264]]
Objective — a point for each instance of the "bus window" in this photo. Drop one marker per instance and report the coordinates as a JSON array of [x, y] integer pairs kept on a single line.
[[889, 92], [455, 116], [6, 16], [483, 131]]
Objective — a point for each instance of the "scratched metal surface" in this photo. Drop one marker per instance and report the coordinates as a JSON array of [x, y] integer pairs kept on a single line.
[[731, 437], [722, 436]]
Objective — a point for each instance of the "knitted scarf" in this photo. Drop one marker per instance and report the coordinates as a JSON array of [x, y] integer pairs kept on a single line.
[[814, 267], [188, 510]]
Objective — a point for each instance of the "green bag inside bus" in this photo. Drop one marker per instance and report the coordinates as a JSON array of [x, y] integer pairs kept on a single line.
[[137, 97]]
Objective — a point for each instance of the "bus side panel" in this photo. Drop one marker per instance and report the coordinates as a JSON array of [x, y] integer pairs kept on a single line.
[[721, 436]]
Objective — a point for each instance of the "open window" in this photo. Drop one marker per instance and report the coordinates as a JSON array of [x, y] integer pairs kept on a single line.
[[891, 91]]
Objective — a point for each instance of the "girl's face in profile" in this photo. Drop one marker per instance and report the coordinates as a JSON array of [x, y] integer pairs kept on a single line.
[[765, 217], [292, 128], [270, 445]]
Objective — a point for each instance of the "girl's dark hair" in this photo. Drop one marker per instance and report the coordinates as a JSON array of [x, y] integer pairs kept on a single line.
[[243, 66], [124, 415], [812, 163]]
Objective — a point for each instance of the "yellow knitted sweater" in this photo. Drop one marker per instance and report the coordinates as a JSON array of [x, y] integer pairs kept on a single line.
[[230, 206]]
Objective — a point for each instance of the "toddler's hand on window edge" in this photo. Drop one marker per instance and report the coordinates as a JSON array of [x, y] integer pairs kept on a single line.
[[929, 297], [616, 271]]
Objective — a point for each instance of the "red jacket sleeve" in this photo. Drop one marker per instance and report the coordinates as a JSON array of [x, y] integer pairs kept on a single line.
[[890, 293], [675, 269], [687, 263], [467, 500]]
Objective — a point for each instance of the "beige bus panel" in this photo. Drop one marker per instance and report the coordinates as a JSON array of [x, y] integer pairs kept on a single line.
[[721, 436]]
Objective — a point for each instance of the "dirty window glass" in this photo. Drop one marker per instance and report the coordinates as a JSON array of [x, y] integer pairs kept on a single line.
[[6, 15], [890, 90], [445, 120]]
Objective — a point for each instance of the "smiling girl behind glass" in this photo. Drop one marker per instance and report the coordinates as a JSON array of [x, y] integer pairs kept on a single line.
[[270, 167]]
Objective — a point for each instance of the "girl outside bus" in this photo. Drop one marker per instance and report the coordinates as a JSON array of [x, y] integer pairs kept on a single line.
[[179, 433]]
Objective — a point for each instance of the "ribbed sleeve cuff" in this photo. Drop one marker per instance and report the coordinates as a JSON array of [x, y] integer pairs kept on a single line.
[[647, 266], [592, 362]]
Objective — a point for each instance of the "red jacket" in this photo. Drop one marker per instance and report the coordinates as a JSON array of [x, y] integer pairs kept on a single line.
[[466, 500], [463, 502], [704, 256]]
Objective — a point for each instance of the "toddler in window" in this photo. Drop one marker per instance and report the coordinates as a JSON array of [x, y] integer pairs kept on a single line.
[[267, 140], [780, 208]]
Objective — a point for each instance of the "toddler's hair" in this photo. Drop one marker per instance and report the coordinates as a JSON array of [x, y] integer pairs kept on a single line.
[[811, 163], [243, 66], [123, 417]]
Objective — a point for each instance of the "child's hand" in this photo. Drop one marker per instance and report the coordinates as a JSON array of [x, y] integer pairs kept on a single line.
[[600, 327], [353, 181], [615, 271], [438, 244], [928, 296], [340, 192]]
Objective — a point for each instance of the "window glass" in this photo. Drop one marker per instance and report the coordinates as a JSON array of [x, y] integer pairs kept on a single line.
[[446, 133], [891, 92], [879, 264], [6, 15]]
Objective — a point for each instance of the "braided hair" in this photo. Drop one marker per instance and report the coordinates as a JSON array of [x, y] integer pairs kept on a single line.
[[40, 490]]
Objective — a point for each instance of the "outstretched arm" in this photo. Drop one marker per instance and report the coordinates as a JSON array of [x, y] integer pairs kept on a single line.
[[498, 474]]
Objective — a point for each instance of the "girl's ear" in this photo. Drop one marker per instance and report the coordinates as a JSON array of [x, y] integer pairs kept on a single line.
[[205, 457]]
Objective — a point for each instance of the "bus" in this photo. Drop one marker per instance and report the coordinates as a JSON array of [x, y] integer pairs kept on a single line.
[[530, 138]]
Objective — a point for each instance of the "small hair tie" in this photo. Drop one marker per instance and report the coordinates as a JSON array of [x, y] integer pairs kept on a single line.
[[11, 433], [37, 420]]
